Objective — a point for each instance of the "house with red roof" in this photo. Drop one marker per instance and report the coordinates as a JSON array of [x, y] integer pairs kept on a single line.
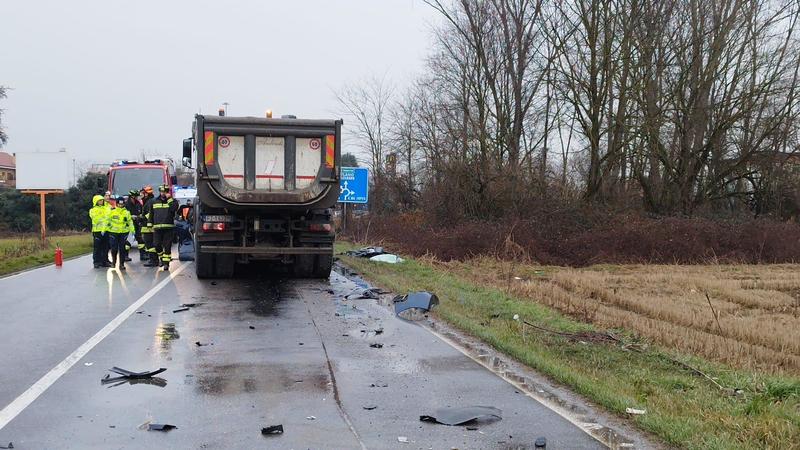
[[8, 171]]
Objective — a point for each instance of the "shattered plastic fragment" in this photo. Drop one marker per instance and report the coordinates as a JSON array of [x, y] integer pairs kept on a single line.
[[180, 309], [402, 439], [272, 429], [311, 418], [376, 345], [160, 427], [419, 300], [252, 327], [369, 407], [10, 445], [459, 416], [366, 252], [128, 375], [540, 442], [635, 411]]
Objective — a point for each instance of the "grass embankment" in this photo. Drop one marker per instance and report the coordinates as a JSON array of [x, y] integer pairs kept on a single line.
[[20, 253], [642, 371]]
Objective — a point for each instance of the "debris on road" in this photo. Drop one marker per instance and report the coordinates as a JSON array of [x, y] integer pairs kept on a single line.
[[540, 442], [180, 309], [10, 445], [272, 430], [128, 375], [87, 364], [376, 345], [200, 344], [311, 418], [160, 427], [190, 305], [252, 327], [379, 385], [366, 252], [370, 293], [402, 439], [419, 300], [370, 407], [636, 412], [460, 416], [387, 258]]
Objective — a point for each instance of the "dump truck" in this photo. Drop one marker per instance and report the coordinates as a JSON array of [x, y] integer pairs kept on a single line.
[[265, 192]]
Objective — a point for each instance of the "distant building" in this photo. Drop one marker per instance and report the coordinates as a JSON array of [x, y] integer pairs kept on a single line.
[[8, 171]]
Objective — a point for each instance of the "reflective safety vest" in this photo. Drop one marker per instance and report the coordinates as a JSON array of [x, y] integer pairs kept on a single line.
[[99, 215], [120, 221]]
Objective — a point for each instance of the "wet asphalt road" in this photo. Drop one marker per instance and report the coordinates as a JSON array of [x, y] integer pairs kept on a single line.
[[272, 352]]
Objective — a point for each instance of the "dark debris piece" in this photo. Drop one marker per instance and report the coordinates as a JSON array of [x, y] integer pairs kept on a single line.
[[272, 430], [419, 300], [252, 327], [376, 345], [128, 375], [160, 427], [199, 344], [462, 415], [540, 442], [10, 445], [369, 407], [366, 252], [190, 305], [180, 309], [370, 293]]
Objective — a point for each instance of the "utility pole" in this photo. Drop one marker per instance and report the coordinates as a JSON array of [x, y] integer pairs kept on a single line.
[[225, 105]]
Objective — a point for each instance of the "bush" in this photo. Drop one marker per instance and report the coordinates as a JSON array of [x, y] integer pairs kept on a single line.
[[581, 238]]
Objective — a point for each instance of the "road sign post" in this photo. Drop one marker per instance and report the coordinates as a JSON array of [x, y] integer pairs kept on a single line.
[[353, 188]]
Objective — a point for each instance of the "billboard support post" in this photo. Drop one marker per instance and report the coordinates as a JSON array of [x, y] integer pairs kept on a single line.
[[42, 209]]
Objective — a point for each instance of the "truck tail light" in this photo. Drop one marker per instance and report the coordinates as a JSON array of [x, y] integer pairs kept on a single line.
[[214, 226], [320, 227], [330, 150], [209, 148]]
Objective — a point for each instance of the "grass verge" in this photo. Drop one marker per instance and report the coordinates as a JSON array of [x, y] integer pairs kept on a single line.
[[20, 253], [683, 409]]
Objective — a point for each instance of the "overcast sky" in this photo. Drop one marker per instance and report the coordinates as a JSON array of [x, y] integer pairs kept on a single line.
[[106, 79]]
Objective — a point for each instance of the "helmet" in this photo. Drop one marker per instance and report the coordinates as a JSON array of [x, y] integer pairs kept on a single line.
[[148, 189], [163, 188], [120, 199], [133, 193], [97, 199]]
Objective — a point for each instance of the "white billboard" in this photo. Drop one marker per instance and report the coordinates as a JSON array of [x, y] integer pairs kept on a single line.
[[43, 170]]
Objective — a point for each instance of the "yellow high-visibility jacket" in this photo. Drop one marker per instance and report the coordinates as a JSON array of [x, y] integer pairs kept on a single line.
[[99, 215]]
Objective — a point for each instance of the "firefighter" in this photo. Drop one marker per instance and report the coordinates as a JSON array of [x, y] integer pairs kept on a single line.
[[120, 225], [134, 206], [147, 228], [162, 211], [99, 215]]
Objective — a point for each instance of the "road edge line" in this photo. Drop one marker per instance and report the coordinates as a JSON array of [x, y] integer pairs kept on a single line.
[[13, 409]]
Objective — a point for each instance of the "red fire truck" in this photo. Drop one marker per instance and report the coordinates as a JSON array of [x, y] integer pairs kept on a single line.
[[125, 176]]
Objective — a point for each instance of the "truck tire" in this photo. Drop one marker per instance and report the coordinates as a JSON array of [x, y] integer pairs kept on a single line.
[[322, 266], [204, 265], [303, 266], [224, 265]]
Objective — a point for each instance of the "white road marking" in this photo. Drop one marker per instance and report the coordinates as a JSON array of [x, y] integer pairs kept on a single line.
[[32, 393]]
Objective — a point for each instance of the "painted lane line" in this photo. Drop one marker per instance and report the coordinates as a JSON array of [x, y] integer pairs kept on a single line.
[[32, 393]]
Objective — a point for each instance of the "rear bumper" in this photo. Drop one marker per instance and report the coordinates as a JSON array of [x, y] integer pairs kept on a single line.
[[267, 251]]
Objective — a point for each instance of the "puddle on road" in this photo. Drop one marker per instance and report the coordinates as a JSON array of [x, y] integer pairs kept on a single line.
[[234, 379], [165, 334]]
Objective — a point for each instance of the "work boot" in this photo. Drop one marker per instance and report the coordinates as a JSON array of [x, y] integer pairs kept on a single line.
[[122, 266], [128, 259], [97, 266], [142, 255], [166, 266]]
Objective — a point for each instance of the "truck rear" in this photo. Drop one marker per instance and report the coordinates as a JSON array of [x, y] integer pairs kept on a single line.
[[265, 192]]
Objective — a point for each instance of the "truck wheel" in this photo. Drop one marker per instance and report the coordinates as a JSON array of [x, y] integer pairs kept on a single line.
[[224, 265], [204, 265], [322, 266], [303, 266]]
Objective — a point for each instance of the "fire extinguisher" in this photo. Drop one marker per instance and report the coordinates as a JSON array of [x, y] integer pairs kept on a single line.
[[59, 256]]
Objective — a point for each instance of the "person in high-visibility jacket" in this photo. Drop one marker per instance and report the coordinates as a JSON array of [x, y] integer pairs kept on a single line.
[[99, 215], [120, 225], [161, 211], [147, 228]]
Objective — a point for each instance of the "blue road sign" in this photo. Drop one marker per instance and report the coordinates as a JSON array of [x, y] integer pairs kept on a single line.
[[354, 185]]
